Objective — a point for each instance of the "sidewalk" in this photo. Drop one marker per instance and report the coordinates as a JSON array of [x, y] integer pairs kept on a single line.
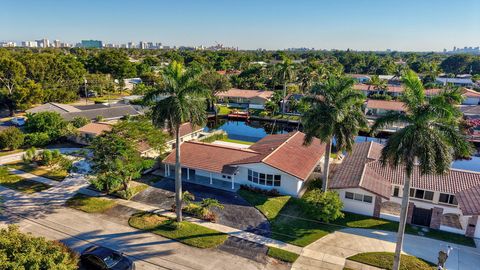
[[36, 178]]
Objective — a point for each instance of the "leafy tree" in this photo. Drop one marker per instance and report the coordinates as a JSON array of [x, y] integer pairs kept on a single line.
[[335, 111], [116, 162], [141, 129], [50, 123], [457, 64], [185, 102], [216, 83], [287, 72], [113, 62], [12, 75], [11, 138], [37, 139], [24, 251], [378, 84], [324, 206], [429, 142], [80, 121]]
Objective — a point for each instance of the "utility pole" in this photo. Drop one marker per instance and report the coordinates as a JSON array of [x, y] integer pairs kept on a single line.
[[85, 87]]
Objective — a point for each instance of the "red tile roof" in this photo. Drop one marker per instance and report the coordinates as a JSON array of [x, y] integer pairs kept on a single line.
[[362, 169], [386, 105], [366, 87], [469, 93], [244, 93], [95, 128], [186, 128], [284, 152], [469, 201]]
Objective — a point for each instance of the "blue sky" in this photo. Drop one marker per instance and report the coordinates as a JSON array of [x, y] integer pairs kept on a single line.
[[422, 25]]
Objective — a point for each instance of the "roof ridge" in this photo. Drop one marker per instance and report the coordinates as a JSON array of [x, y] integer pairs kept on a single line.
[[365, 165], [280, 146]]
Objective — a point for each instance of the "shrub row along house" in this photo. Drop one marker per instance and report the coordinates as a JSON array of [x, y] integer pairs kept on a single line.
[[449, 202], [278, 162]]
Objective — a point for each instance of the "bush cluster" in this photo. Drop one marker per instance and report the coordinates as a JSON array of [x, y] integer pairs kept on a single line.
[[269, 192]]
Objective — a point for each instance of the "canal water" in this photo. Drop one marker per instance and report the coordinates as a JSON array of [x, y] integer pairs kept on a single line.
[[252, 131]]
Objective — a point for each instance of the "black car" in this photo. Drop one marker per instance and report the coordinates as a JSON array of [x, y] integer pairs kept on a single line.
[[96, 257]]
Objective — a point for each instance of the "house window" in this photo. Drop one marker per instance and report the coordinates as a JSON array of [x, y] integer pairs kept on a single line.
[[396, 191], [264, 179], [421, 194], [358, 197], [448, 199]]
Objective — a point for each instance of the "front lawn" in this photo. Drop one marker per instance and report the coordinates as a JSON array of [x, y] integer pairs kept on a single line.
[[185, 232], [282, 255], [21, 184], [223, 110], [90, 204], [53, 174], [290, 222], [384, 260]]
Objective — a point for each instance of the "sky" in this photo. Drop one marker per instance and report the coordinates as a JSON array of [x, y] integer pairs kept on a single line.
[[404, 25]]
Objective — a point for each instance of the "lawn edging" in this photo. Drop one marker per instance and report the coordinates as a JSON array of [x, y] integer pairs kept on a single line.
[[384, 260]]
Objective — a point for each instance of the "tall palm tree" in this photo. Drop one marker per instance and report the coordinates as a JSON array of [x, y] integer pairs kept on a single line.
[[430, 140], [286, 70], [335, 111], [185, 102]]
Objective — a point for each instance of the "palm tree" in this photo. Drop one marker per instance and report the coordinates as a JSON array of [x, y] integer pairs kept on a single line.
[[185, 102], [335, 111], [430, 140], [378, 84], [287, 73]]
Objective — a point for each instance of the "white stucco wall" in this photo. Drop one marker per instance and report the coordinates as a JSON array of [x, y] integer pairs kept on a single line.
[[471, 101], [477, 229], [355, 206], [290, 185]]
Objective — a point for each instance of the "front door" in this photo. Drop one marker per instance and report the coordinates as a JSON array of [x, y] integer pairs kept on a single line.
[[421, 216]]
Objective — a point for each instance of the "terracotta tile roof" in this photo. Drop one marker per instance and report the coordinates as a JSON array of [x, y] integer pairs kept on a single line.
[[386, 105], [366, 87], [244, 93], [208, 157], [186, 128], [471, 93], [469, 201], [95, 128], [361, 165], [284, 152]]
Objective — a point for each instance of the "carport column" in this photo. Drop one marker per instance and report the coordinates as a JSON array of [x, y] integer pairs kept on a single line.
[[377, 206], [233, 181], [436, 219], [168, 169], [166, 172], [472, 222], [211, 180], [188, 173], [411, 206]]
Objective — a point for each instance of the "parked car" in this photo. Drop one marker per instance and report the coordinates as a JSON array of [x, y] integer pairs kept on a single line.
[[96, 257], [18, 121]]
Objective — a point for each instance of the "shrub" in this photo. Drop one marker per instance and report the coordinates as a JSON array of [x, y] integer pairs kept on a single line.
[[29, 155], [51, 123], [268, 192], [11, 138], [325, 206], [24, 251], [37, 139], [80, 121]]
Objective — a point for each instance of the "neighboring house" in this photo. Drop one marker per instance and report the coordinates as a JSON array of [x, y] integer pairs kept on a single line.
[[360, 78], [90, 131], [91, 112], [187, 133], [131, 82], [449, 202], [376, 108], [289, 99], [367, 90], [278, 162], [251, 99], [129, 99], [463, 81]]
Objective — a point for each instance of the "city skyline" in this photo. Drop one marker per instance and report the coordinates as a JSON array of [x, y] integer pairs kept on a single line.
[[430, 26]]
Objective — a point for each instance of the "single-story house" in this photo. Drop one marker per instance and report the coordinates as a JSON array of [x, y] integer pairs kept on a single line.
[[90, 131], [187, 133], [393, 90], [360, 78], [278, 162], [91, 112], [252, 99], [466, 82], [449, 202], [131, 82], [376, 108]]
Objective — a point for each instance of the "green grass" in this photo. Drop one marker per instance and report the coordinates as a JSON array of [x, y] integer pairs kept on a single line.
[[236, 141], [90, 204], [223, 110], [282, 255], [184, 232], [384, 260], [290, 223], [24, 185], [56, 175]]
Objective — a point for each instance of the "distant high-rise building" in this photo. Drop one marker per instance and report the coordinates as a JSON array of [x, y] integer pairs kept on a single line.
[[8, 44], [57, 43], [142, 45], [92, 44], [30, 44], [131, 45], [43, 43]]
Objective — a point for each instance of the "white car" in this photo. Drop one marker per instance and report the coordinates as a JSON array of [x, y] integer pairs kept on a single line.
[[18, 121]]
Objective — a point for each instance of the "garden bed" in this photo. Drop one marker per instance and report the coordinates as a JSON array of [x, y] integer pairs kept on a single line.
[[185, 232]]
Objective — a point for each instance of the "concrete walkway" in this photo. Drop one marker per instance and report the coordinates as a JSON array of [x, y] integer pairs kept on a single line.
[[33, 177]]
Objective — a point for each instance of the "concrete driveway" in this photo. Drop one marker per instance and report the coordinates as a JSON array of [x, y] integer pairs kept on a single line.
[[348, 242], [237, 212]]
